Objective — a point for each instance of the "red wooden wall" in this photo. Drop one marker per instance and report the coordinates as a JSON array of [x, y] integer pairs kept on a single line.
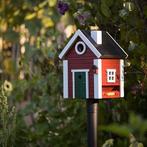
[[110, 64], [110, 90], [84, 61]]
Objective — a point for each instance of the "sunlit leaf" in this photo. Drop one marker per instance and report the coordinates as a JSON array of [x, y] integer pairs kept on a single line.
[[16, 12], [42, 4], [47, 22], [7, 63], [52, 3], [108, 143], [30, 16], [40, 13], [129, 6]]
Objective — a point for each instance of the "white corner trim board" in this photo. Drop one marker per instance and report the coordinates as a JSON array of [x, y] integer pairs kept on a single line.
[[95, 62], [85, 40], [121, 78], [99, 78], [73, 81], [65, 78]]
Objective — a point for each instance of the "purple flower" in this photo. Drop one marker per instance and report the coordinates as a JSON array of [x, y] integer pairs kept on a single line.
[[82, 16], [62, 7]]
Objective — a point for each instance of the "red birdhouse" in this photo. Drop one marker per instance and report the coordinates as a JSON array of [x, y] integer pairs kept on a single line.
[[93, 66]]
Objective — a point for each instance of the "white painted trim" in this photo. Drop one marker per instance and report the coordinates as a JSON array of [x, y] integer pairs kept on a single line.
[[73, 84], [80, 70], [99, 78], [97, 36], [73, 81], [111, 76], [95, 62], [65, 78], [76, 48], [85, 40], [121, 78], [87, 86], [118, 44]]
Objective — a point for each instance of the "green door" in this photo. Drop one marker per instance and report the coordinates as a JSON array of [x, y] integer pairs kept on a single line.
[[80, 84]]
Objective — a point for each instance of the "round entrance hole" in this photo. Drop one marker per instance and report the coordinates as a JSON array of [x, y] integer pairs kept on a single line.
[[80, 48]]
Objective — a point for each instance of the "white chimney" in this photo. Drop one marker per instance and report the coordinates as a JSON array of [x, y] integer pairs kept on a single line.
[[97, 36]]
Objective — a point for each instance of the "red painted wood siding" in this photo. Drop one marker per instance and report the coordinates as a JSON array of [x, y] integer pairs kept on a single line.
[[84, 61], [110, 64], [110, 90]]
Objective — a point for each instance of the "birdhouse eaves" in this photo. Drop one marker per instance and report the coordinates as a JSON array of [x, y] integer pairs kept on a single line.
[[108, 49]]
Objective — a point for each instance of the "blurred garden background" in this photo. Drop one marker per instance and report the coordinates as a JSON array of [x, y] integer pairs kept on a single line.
[[32, 110]]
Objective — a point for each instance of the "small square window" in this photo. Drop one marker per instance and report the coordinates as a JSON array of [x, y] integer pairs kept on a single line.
[[111, 74]]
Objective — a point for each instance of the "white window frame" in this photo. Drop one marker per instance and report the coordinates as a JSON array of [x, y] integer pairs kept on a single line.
[[73, 81], [111, 78]]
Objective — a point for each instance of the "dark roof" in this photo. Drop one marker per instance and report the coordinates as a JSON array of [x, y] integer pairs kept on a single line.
[[109, 48]]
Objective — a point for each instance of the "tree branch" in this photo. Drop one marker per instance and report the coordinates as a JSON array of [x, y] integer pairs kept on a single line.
[[140, 9]]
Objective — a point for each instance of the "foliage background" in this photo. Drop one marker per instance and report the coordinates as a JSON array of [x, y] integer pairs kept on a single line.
[[33, 33]]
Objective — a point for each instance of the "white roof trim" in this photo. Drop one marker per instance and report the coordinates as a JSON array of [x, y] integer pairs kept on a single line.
[[84, 38], [117, 44]]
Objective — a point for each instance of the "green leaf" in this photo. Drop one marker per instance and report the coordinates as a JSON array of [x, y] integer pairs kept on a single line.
[[108, 143], [145, 11], [105, 10], [47, 22], [52, 3], [117, 129], [11, 35], [33, 25], [30, 16], [108, 2]]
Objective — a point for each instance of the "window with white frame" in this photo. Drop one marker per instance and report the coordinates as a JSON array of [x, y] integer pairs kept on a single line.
[[111, 75]]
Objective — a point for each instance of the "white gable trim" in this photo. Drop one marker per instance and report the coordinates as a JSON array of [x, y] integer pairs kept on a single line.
[[117, 44], [86, 41]]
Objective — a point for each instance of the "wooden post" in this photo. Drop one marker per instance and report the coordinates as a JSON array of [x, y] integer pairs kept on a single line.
[[92, 108]]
